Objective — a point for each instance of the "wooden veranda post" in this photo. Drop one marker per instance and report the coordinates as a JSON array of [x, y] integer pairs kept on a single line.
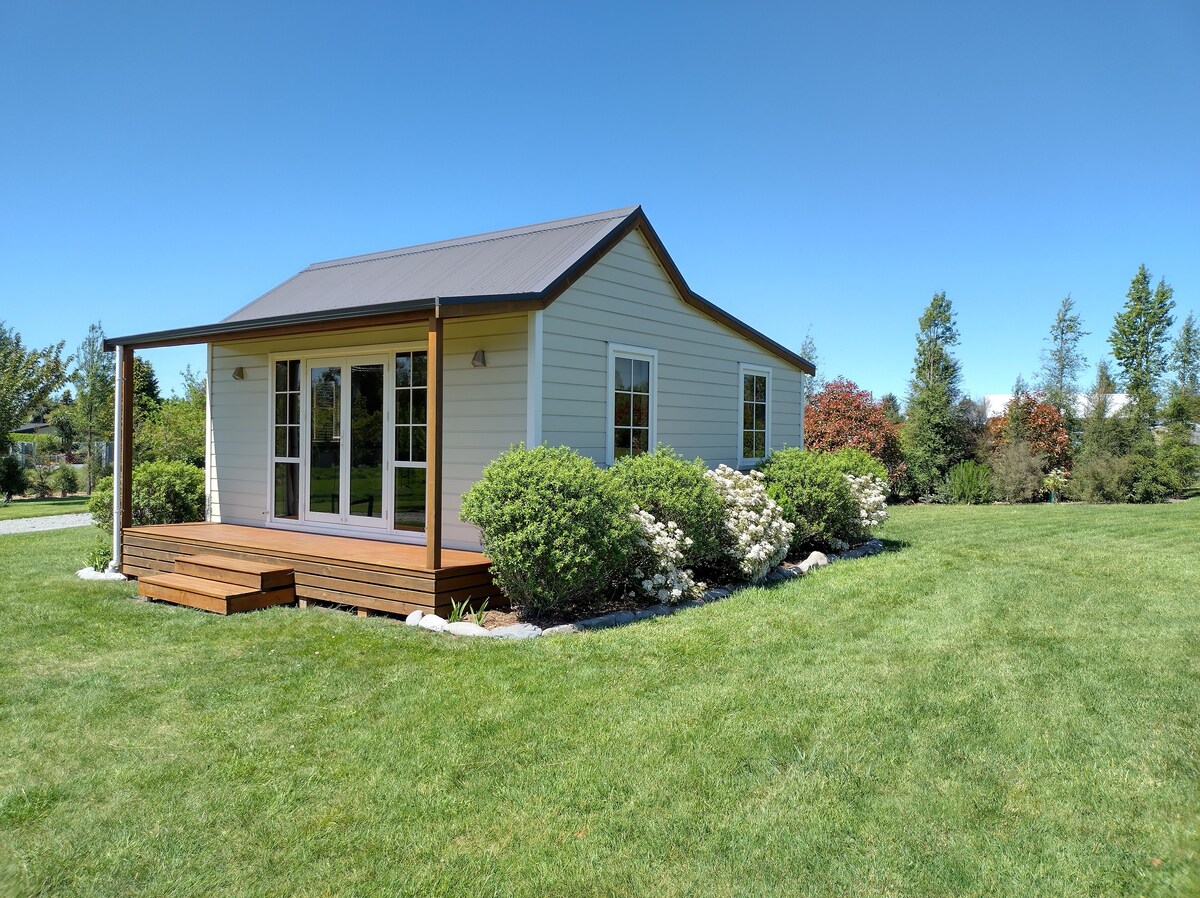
[[122, 451], [433, 462]]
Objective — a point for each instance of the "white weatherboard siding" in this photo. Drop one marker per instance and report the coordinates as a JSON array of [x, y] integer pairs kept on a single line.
[[627, 298], [484, 411]]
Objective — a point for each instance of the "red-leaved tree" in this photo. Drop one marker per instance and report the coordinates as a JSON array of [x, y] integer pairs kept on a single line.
[[842, 415], [1031, 418]]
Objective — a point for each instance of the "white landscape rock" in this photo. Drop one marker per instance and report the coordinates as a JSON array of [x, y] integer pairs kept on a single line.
[[432, 622], [516, 631], [414, 618], [88, 573], [465, 628]]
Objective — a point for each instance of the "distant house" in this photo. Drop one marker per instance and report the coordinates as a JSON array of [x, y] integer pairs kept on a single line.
[[362, 396], [997, 403]]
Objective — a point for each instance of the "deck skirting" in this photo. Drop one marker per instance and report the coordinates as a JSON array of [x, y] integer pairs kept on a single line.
[[365, 574]]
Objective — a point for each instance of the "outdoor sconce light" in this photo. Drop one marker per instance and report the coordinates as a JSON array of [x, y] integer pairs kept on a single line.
[[239, 373], [477, 360]]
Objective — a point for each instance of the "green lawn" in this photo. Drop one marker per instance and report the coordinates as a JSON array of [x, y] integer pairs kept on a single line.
[[1008, 703], [39, 508]]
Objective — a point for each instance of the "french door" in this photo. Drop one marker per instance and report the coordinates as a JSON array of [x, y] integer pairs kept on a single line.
[[348, 422], [349, 441]]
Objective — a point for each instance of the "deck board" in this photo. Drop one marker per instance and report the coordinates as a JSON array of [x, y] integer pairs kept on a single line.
[[363, 573]]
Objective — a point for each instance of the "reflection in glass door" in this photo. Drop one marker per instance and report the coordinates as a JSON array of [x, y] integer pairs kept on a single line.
[[325, 442], [366, 442], [346, 442]]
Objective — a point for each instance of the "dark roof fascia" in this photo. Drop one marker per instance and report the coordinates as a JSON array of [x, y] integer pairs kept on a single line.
[[236, 330], [713, 311]]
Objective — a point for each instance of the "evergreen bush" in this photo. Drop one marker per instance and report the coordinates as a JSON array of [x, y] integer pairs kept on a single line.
[[673, 489], [559, 532], [1017, 472], [813, 492], [968, 483], [162, 492], [66, 479], [12, 477]]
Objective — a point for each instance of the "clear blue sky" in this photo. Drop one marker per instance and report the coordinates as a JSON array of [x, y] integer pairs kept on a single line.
[[824, 166]]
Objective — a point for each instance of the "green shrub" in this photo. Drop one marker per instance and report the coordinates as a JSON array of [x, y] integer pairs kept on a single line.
[[674, 489], [968, 483], [558, 531], [163, 492], [1130, 478], [39, 480], [1150, 480], [858, 463], [99, 557], [1017, 472], [66, 479], [12, 477], [811, 489], [1100, 477]]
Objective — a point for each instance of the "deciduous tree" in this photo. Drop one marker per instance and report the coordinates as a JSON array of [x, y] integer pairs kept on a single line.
[[28, 377], [93, 408], [842, 414]]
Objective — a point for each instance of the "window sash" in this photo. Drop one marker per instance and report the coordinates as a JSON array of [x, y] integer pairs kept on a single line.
[[754, 415]]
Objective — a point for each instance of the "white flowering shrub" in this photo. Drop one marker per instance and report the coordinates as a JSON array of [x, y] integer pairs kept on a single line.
[[759, 536], [870, 492], [660, 573]]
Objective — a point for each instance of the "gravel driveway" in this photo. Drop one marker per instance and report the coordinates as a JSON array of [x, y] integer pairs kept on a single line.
[[50, 522]]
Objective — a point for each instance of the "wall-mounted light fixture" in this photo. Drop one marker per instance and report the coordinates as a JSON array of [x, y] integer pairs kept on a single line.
[[478, 360], [239, 373]]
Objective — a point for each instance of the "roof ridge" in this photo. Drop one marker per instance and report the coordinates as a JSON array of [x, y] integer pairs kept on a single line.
[[560, 224]]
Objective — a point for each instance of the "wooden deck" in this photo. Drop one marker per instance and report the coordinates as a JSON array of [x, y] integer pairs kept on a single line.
[[363, 573]]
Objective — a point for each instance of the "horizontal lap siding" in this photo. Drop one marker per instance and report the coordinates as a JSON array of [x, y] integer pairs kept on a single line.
[[627, 298], [484, 408], [484, 411], [238, 448]]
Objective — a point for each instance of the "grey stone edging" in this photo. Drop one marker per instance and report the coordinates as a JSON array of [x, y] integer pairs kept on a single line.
[[815, 560]]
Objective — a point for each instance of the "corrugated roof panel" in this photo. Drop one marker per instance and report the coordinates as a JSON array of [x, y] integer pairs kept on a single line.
[[500, 263]]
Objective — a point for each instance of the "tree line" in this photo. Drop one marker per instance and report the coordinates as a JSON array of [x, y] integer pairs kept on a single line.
[[75, 394], [942, 445]]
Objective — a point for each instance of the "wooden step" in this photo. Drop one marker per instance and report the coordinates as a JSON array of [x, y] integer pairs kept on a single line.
[[211, 595], [235, 571]]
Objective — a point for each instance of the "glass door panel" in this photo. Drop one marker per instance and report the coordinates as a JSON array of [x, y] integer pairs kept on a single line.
[[366, 442], [410, 499], [325, 444], [411, 411]]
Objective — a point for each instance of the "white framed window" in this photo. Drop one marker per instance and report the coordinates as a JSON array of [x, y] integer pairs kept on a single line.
[[632, 401], [754, 411]]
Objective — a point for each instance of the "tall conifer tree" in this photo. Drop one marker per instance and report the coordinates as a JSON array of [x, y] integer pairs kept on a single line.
[[1139, 341]]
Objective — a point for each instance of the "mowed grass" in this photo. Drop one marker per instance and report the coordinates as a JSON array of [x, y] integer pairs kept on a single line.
[[39, 508], [1006, 703]]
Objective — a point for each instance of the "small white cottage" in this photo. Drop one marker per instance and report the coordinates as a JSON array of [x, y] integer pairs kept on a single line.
[[362, 396]]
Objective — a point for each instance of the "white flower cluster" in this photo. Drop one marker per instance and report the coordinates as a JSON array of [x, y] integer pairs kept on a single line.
[[760, 534], [871, 495], [660, 574]]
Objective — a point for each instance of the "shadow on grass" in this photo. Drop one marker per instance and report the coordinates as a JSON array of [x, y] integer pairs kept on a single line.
[[895, 545]]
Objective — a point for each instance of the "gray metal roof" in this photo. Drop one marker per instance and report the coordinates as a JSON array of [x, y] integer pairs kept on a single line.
[[520, 269], [515, 262]]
